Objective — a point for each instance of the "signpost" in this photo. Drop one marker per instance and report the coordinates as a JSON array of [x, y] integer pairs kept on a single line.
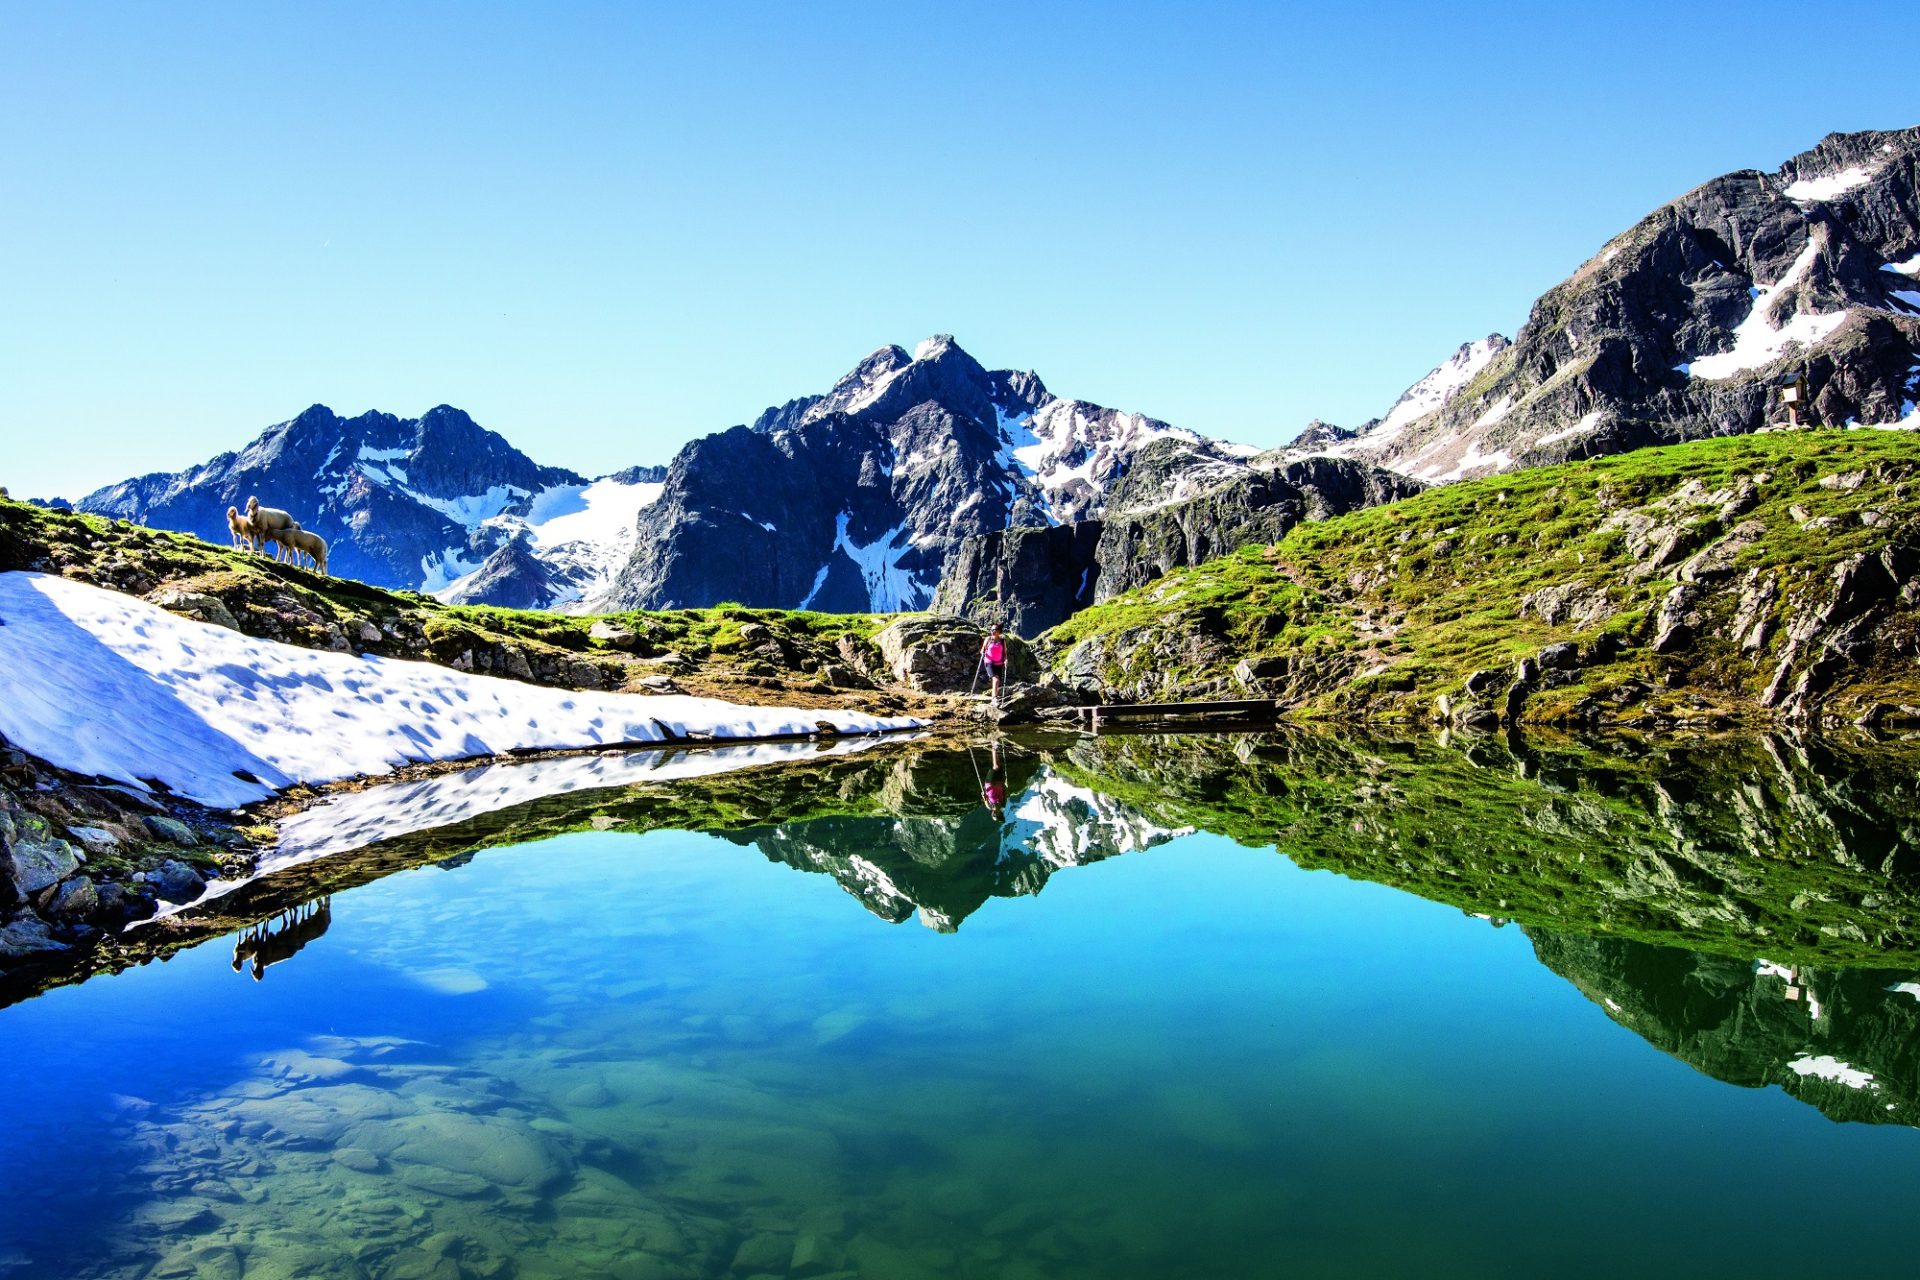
[[1793, 394]]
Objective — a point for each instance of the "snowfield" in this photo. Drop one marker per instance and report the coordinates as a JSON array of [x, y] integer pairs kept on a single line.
[[103, 683]]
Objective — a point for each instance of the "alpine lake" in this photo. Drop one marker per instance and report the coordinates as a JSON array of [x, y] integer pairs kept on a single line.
[[1275, 1004]]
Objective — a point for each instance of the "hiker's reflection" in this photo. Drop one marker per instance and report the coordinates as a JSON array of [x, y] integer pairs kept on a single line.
[[269, 942], [994, 791]]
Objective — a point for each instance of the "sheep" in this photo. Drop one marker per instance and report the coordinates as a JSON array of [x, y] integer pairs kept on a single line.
[[270, 521], [298, 540], [281, 540], [242, 529]]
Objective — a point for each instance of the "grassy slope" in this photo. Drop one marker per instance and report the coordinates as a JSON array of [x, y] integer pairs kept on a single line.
[[1400, 603]]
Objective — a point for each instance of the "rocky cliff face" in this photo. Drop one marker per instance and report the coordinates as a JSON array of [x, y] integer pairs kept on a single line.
[[1180, 504], [855, 500], [410, 503], [1683, 326]]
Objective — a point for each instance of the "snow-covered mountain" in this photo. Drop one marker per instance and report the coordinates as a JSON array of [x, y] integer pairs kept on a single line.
[[854, 500], [847, 500], [428, 504], [1684, 325]]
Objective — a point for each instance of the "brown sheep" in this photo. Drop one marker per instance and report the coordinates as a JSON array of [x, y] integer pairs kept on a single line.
[[298, 540]]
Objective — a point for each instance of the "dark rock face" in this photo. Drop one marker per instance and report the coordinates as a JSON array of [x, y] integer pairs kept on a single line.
[[1141, 542], [1025, 579], [855, 500], [1179, 505], [1683, 326], [399, 500]]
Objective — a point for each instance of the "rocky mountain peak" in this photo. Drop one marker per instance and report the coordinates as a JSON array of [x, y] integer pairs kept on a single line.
[[854, 499], [1683, 325]]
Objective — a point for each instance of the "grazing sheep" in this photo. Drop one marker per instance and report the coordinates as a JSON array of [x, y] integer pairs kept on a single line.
[[282, 540], [270, 521], [298, 540], [242, 529]]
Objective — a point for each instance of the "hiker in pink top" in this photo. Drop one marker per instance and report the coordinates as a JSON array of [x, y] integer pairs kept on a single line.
[[994, 654]]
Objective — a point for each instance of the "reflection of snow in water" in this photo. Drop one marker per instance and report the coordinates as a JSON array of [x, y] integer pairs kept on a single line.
[[356, 819], [1066, 825], [1827, 1067]]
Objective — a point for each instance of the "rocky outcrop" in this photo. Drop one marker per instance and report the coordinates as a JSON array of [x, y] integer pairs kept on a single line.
[[1683, 325], [942, 655], [1141, 540], [1180, 505], [1025, 579], [80, 858]]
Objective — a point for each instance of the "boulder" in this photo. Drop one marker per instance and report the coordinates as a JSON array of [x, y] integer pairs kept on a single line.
[[1582, 606], [33, 864], [173, 881], [1716, 560], [75, 899], [172, 830], [196, 605], [942, 655], [1481, 683], [1027, 701], [26, 936], [1673, 625], [1559, 657], [613, 635]]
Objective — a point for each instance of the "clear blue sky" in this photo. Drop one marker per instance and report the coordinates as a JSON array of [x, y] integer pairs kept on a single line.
[[604, 229]]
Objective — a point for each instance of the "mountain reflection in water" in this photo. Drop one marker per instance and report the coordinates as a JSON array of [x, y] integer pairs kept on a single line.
[[1671, 883], [657, 1057]]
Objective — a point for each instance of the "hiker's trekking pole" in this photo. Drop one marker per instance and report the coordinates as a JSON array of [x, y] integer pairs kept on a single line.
[[979, 662]]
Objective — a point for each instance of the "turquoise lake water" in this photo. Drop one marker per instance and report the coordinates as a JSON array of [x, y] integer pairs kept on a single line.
[[617, 1055]]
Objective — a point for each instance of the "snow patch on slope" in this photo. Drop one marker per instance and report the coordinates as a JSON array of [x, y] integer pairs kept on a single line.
[[1438, 387], [1579, 428], [1831, 186], [103, 683], [890, 589], [1757, 342]]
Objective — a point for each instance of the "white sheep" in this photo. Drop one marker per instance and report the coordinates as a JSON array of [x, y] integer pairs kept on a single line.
[[300, 540], [270, 522], [244, 534]]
